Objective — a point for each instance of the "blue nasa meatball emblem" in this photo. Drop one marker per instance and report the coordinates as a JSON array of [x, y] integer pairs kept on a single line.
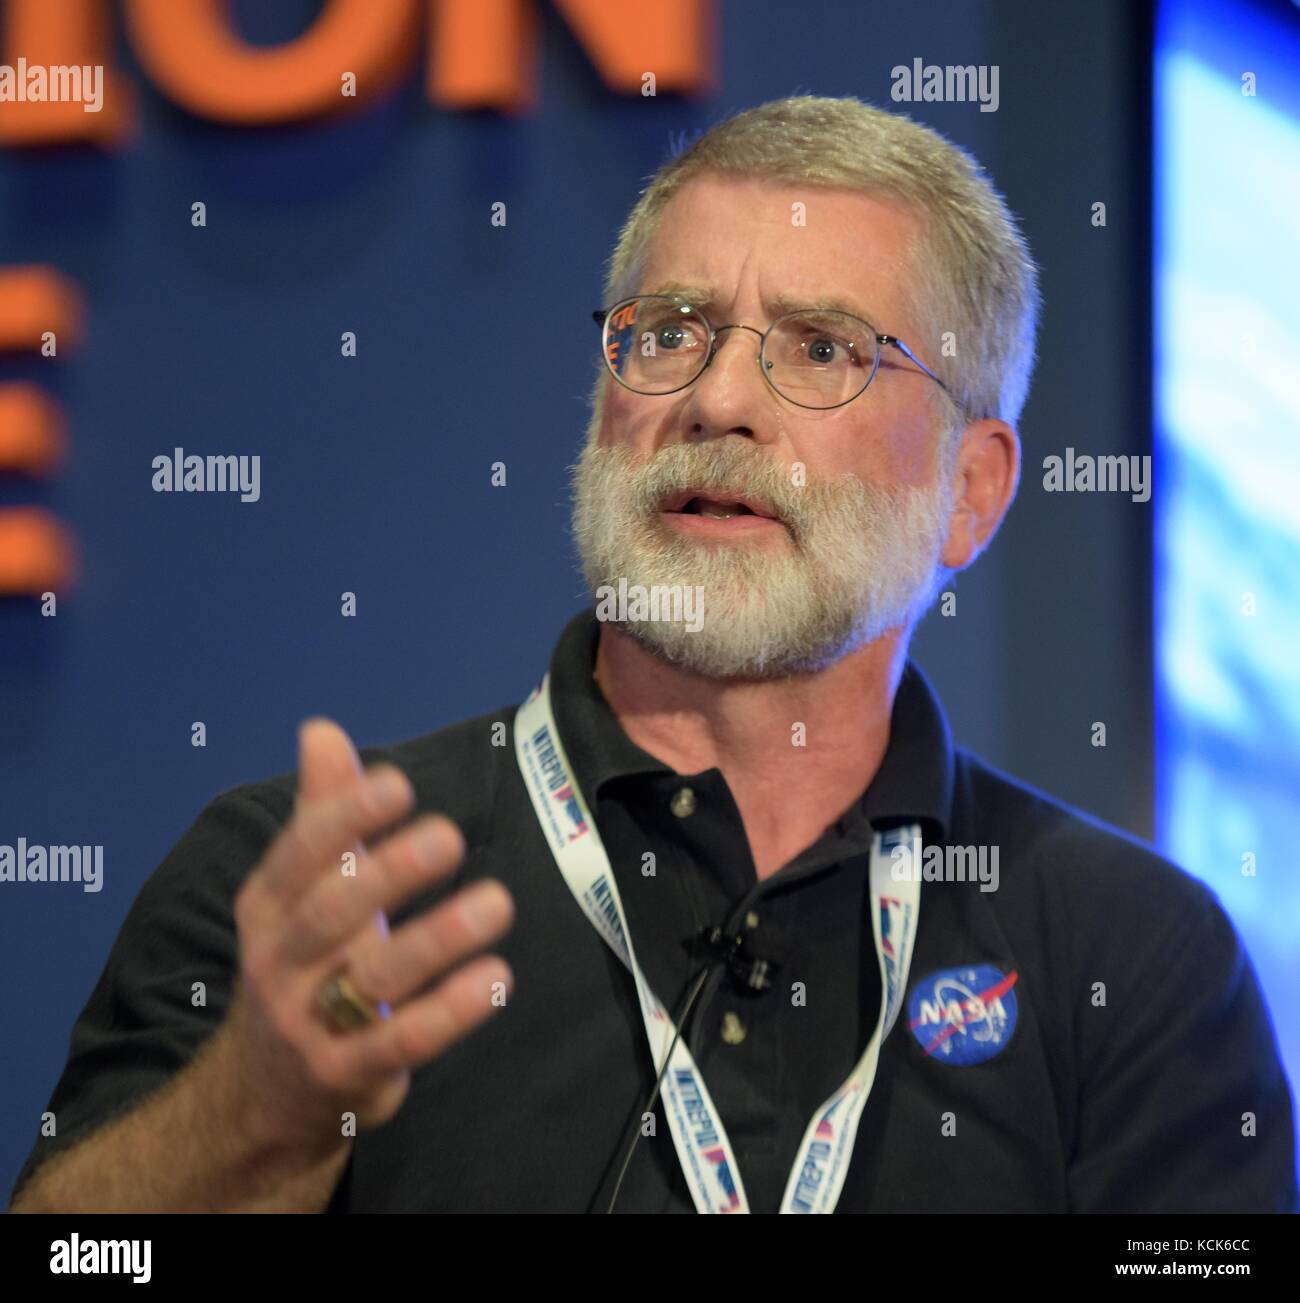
[[963, 1015]]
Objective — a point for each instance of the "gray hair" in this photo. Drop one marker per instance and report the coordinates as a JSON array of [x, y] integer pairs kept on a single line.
[[972, 269]]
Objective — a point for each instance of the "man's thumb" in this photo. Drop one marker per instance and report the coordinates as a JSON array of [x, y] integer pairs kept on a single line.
[[327, 760]]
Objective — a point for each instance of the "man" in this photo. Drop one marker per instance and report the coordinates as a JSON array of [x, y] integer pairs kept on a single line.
[[727, 986]]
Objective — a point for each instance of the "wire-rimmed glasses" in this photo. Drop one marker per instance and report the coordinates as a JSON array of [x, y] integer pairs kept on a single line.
[[813, 357]]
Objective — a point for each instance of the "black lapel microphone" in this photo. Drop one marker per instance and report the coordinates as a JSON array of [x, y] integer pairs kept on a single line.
[[750, 970]]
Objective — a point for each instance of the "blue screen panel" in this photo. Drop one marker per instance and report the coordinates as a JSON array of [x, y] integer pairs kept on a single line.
[[1227, 447]]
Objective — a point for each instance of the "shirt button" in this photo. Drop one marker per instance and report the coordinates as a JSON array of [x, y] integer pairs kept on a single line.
[[683, 803], [733, 1030], [751, 919]]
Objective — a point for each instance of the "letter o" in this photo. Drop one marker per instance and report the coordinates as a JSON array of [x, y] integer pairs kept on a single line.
[[190, 52]]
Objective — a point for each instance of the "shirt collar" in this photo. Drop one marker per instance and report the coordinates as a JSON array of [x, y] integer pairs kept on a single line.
[[914, 782]]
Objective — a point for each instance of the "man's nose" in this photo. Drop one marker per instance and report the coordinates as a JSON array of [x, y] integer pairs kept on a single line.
[[747, 350], [730, 395]]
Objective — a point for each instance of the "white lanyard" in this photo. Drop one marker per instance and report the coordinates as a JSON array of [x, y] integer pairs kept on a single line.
[[703, 1149]]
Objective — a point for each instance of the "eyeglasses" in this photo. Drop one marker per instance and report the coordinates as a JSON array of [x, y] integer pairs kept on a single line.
[[659, 343]]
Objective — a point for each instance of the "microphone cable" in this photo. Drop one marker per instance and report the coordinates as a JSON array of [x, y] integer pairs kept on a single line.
[[638, 1113], [724, 947]]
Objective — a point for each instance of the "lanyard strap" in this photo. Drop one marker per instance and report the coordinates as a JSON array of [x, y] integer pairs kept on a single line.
[[703, 1149]]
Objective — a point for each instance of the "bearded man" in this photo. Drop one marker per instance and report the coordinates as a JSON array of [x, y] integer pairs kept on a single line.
[[767, 940]]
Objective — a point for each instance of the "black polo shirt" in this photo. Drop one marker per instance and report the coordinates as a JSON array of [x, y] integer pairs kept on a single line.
[[1089, 1036]]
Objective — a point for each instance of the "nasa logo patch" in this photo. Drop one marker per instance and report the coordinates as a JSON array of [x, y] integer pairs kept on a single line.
[[963, 1015]]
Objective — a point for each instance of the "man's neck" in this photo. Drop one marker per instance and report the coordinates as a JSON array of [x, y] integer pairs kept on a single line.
[[796, 752]]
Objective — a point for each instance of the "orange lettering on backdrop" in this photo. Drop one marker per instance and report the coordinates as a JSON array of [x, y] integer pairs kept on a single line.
[[34, 299], [36, 551], [626, 39], [194, 57], [32, 438], [482, 53], [62, 33]]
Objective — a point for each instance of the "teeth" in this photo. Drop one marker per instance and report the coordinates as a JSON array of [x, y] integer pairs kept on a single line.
[[716, 510]]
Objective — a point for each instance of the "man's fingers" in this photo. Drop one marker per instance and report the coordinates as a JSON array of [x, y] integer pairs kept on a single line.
[[327, 760], [389, 970], [426, 1026], [324, 828], [335, 907]]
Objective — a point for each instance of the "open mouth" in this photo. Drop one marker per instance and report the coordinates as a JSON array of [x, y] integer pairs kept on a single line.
[[717, 508]]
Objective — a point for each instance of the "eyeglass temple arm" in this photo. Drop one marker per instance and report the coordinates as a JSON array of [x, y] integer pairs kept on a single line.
[[907, 353]]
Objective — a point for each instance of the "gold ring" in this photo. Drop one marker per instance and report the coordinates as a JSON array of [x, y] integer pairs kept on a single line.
[[342, 1006]]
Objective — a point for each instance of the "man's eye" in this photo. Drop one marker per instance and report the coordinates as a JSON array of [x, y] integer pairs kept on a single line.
[[827, 351], [674, 337]]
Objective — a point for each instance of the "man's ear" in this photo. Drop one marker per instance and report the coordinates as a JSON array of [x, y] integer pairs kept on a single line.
[[986, 472]]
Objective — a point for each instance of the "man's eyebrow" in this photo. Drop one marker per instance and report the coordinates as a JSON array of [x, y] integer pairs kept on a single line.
[[701, 296]]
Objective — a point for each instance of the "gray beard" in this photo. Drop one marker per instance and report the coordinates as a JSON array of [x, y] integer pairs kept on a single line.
[[859, 561]]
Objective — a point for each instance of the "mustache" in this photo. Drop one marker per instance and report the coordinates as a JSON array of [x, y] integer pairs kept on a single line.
[[726, 472]]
